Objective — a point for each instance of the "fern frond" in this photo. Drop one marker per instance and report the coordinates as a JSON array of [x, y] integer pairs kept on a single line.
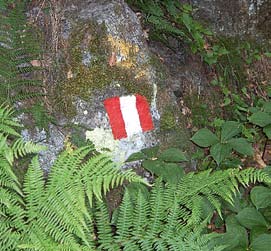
[[33, 188], [158, 213], [21, 148], [140, 216], [18, 47], [125, 221], [100, 173], [104, 230], [215, 186]]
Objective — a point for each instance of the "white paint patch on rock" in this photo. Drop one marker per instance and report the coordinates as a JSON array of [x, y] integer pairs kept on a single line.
[[121, 149]]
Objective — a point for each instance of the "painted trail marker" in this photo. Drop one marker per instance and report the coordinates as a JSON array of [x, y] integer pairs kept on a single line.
[[128, 115]]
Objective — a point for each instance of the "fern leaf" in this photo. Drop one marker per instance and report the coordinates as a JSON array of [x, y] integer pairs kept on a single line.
[[124, 222], [105, 234], [21, 148]]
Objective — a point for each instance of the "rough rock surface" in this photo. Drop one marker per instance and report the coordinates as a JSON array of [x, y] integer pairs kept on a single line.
[[236, 17], [124, 42], [101, 51]]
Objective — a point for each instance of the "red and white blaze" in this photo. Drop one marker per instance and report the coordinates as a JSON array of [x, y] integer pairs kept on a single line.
[[128, 115]]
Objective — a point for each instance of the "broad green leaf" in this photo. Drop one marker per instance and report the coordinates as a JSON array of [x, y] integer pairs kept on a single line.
[[151, 152], [261, 243], [230, 129], [261, 119], [204, 138], [220, 152], [261, 196], [249, 217], [173, 155], [256, 231], [267, 131], [235, 238], [242, 146], [267, 213], [170, 172], [267, 107], [136, 156], [151, 165]]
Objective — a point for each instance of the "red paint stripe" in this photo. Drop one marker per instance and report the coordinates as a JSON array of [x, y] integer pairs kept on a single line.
[[112, 106], [144, 113]]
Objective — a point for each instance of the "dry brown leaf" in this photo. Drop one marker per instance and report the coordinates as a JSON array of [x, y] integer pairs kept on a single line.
[[35, 63], [258, 158], [113, 59]]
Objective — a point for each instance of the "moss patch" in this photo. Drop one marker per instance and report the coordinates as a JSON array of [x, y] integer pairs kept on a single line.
[[168, 120], [83, 79]]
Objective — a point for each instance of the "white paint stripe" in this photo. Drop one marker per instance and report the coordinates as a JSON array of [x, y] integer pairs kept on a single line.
[[130, 115]]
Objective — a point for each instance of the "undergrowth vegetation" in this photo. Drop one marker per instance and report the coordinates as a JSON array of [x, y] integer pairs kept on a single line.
[[223, 205], [20, 53]]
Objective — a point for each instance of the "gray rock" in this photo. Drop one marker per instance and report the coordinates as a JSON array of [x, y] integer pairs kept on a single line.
[[53, 140], [236, 17]]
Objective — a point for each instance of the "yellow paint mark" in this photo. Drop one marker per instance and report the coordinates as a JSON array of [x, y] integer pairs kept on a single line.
[[125, 52]]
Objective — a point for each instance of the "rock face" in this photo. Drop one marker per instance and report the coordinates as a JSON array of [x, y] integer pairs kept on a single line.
[[106, 45], [102, 53], [237, 17], [100, 50]]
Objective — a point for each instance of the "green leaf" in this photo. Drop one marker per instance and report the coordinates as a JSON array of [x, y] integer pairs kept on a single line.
[[267, 107], [220, 152], [242, 146], [249, 217], [256, 231], [173, 155], [204, 138], [261, 119], [261, 196], [187, 20], [261, 243], [170, 172], [8, 154], [136, 156], [230, 129], [151, 152], [235, 238], [267, 131]]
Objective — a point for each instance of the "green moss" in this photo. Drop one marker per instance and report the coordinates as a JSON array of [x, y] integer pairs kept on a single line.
[[168, 120], [160, 68], [203, 108], [99, 74]]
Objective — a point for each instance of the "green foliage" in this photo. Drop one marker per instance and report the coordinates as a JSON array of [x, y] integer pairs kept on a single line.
[[165, 164], [54, 215], [11, 202], [261, 196], [171, 18], [251, 215], [18, 48], [261, 116], [40, 115], [59, 214], [166, 217], [224, 142]]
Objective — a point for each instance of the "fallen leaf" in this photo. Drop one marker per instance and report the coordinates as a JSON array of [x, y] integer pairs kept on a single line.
[[113, 59], [35, 63]]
